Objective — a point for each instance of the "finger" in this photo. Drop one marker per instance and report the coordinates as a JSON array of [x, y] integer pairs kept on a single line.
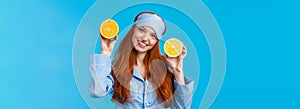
[[112, 42], [184, 52], [102, 38], [183, 48], [114, 38], [166, 58], [117, 37]]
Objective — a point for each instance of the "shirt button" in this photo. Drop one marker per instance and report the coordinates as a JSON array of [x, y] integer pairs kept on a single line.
[[149, 103]]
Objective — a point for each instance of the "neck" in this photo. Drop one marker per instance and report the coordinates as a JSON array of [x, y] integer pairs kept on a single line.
[[140, 58]]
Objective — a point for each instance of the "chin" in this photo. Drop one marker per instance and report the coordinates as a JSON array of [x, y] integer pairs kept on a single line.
[[140, 50]]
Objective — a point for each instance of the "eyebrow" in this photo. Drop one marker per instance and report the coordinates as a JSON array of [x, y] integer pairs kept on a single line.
[[143, 27]]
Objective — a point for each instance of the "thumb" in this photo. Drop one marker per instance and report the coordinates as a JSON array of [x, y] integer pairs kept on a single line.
[[166, 58], [116, 38]]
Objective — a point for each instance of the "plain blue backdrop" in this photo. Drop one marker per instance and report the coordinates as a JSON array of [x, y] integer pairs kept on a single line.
[[262, 42]]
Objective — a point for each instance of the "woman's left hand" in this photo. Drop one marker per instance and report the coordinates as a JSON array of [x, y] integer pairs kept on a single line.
[[176, 63]]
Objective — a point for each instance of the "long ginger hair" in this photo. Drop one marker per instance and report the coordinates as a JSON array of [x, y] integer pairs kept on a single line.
[[156, 71]]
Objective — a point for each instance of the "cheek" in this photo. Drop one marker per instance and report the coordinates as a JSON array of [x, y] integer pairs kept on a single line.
[[153, 42], [133, 41], [134, 37], [136, 33]]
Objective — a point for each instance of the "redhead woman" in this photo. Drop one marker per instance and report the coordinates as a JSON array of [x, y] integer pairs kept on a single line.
[[140, 77]]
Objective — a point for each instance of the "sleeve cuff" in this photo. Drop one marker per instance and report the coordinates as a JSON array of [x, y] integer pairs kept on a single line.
[[184, 89]]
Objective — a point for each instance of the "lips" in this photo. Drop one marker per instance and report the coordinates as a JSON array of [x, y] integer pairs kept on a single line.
[[141, 44]]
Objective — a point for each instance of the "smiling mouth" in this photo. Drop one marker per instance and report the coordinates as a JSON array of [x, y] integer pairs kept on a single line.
[[142, 44]]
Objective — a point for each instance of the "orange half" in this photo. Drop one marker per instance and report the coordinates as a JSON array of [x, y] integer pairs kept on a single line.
[[109, 28], [173, 47]]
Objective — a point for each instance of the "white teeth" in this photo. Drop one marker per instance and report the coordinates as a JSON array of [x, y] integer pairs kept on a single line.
[[142, 43]]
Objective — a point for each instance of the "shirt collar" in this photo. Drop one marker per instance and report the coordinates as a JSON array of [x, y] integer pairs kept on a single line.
[[137, 74]]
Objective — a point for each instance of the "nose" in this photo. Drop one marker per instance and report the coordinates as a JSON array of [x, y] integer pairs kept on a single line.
[[146, 37]]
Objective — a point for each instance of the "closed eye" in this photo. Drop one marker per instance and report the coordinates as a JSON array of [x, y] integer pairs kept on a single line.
[[141, 30], [153, 35]]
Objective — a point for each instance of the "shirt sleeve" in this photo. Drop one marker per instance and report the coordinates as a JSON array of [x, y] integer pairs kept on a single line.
[[183, 94], [102, 81]]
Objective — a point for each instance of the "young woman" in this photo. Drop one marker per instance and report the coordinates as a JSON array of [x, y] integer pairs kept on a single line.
[[139, 76]]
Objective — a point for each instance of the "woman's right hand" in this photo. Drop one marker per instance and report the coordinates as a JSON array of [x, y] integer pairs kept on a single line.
[[107, 45]]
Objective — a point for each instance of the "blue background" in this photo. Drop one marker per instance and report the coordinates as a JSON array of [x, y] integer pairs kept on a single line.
[[262, 42]]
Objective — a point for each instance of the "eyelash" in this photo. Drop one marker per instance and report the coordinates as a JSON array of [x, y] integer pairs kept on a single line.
[[142, 30]]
